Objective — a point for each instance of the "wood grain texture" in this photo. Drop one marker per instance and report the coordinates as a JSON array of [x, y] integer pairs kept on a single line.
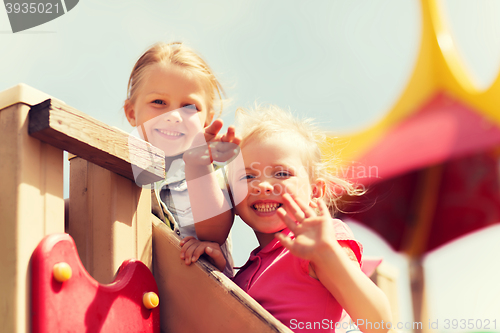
[[69, 129], [31, 206], [109, 219]]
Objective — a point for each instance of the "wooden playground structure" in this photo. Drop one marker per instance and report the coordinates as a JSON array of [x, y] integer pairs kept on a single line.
[[108, 216]]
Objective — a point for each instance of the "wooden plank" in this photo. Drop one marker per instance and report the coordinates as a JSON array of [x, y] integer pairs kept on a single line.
[[31, 206], [199, 298], [69, 129], [109, 219]]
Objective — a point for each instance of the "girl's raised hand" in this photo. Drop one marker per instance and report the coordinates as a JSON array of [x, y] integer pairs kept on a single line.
[[329, 262], [223, 148], [219, 148], [212, 133], [313, 232]]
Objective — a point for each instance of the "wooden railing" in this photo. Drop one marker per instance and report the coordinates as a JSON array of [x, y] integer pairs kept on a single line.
[[109, 216]]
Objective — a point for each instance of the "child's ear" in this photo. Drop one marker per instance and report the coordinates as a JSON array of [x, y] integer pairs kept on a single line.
[[129, 112], [318, 189]]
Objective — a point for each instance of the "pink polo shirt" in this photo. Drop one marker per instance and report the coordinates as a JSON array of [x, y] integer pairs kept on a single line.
[[280, 282]]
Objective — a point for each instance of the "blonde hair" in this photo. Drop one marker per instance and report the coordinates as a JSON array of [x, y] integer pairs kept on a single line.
[[261, 123], [180, 55]]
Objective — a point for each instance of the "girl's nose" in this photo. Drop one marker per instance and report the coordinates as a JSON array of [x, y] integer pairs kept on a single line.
[[173, 116], [262, 187]]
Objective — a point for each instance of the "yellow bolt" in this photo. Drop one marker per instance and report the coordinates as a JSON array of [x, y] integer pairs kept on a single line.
[[150, 300], [62, 272]]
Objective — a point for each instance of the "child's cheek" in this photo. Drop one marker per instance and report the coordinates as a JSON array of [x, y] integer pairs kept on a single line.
[[291, 187], [148, 126], [145, 114], [193, 124], [240, 191]]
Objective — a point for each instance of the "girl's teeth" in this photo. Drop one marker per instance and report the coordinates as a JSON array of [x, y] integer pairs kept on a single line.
[[267, 207], [170, 133]]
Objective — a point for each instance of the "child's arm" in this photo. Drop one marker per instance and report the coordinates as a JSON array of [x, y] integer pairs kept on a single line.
[[315, 241], [212, 213], [192, 249]]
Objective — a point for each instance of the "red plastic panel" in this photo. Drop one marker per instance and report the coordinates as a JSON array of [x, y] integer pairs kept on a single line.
[[81, 304]]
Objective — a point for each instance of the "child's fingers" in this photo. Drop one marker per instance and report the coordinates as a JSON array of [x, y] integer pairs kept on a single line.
[[286, 241], [185, 240], [212, 130], [313, 204], [223, 147], [229, 136], [305, 207], [183, 245], [290, 223], [213, 252], [297, 208], [236, 140], [198, 250], [224, 151], [323, 209], [292, 208], [190, 247], [217, 258]]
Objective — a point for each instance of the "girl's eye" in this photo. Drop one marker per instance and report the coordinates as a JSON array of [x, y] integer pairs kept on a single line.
[[191, 107], [247, 177], [158, 101], [283, 174]]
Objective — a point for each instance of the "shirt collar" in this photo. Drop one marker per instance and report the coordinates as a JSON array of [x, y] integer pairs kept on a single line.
[[273, 245]]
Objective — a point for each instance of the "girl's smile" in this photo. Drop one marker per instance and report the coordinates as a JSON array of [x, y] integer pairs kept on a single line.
[[266, 207], [169, 134]]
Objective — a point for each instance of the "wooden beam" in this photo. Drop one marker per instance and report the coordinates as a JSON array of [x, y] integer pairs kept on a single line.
[[69, 129]]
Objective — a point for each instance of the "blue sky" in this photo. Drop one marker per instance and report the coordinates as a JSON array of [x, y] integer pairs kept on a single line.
[[341, 62]]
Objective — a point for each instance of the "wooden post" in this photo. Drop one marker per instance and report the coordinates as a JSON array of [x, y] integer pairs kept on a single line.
[[31, 202], [109, 219], [416, 238], [417, 281]]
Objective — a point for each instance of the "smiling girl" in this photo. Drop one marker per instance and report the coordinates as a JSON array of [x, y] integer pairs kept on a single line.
[[307, 267], [171, 97]]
